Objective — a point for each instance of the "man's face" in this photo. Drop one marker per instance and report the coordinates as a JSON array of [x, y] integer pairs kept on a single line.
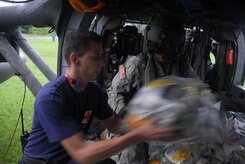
[[92, 62], [161, 57]]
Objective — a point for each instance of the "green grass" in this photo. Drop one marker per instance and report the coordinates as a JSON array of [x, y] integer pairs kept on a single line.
[[11, 95]]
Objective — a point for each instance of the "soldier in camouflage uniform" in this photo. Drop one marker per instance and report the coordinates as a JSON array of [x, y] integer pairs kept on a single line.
[[122, 90], [140, 70], [158, 61]]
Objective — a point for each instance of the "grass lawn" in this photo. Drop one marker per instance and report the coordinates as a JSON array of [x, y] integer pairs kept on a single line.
[[11, 96]]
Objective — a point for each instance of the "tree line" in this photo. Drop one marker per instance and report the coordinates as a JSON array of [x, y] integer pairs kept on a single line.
[[31, 30]]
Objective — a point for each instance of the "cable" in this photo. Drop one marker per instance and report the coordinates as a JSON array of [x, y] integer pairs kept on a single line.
[[13, 1], [21, 109], [20, 116]]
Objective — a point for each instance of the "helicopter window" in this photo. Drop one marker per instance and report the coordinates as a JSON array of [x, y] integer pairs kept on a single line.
[[212, 58], [243, 78], [212, 55], [140, 27]]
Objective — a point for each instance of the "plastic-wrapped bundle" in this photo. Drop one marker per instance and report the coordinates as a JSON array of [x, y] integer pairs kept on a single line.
[[209, 125], [234, 128], [173, 99]]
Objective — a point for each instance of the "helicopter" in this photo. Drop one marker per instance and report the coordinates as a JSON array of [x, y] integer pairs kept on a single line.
[[210, 26]]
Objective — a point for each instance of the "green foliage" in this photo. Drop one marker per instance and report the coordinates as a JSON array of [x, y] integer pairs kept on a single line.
[[31, 30], [11, 95], [40, 31], [25, 29]]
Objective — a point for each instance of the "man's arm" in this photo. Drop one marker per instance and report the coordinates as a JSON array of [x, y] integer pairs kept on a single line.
[[116, 125], [87, 153]]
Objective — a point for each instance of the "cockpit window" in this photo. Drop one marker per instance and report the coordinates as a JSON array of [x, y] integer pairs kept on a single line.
[[140, 27]]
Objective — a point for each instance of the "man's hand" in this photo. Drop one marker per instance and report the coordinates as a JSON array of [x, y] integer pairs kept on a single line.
[[149, 131]]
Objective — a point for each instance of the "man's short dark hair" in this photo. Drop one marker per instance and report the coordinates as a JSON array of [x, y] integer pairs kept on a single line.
[[79, 42]]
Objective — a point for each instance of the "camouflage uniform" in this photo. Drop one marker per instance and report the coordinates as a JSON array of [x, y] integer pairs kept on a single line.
[[135, 66], [120, 92]]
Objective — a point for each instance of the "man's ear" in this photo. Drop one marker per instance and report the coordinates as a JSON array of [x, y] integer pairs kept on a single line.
[[74, 59]]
